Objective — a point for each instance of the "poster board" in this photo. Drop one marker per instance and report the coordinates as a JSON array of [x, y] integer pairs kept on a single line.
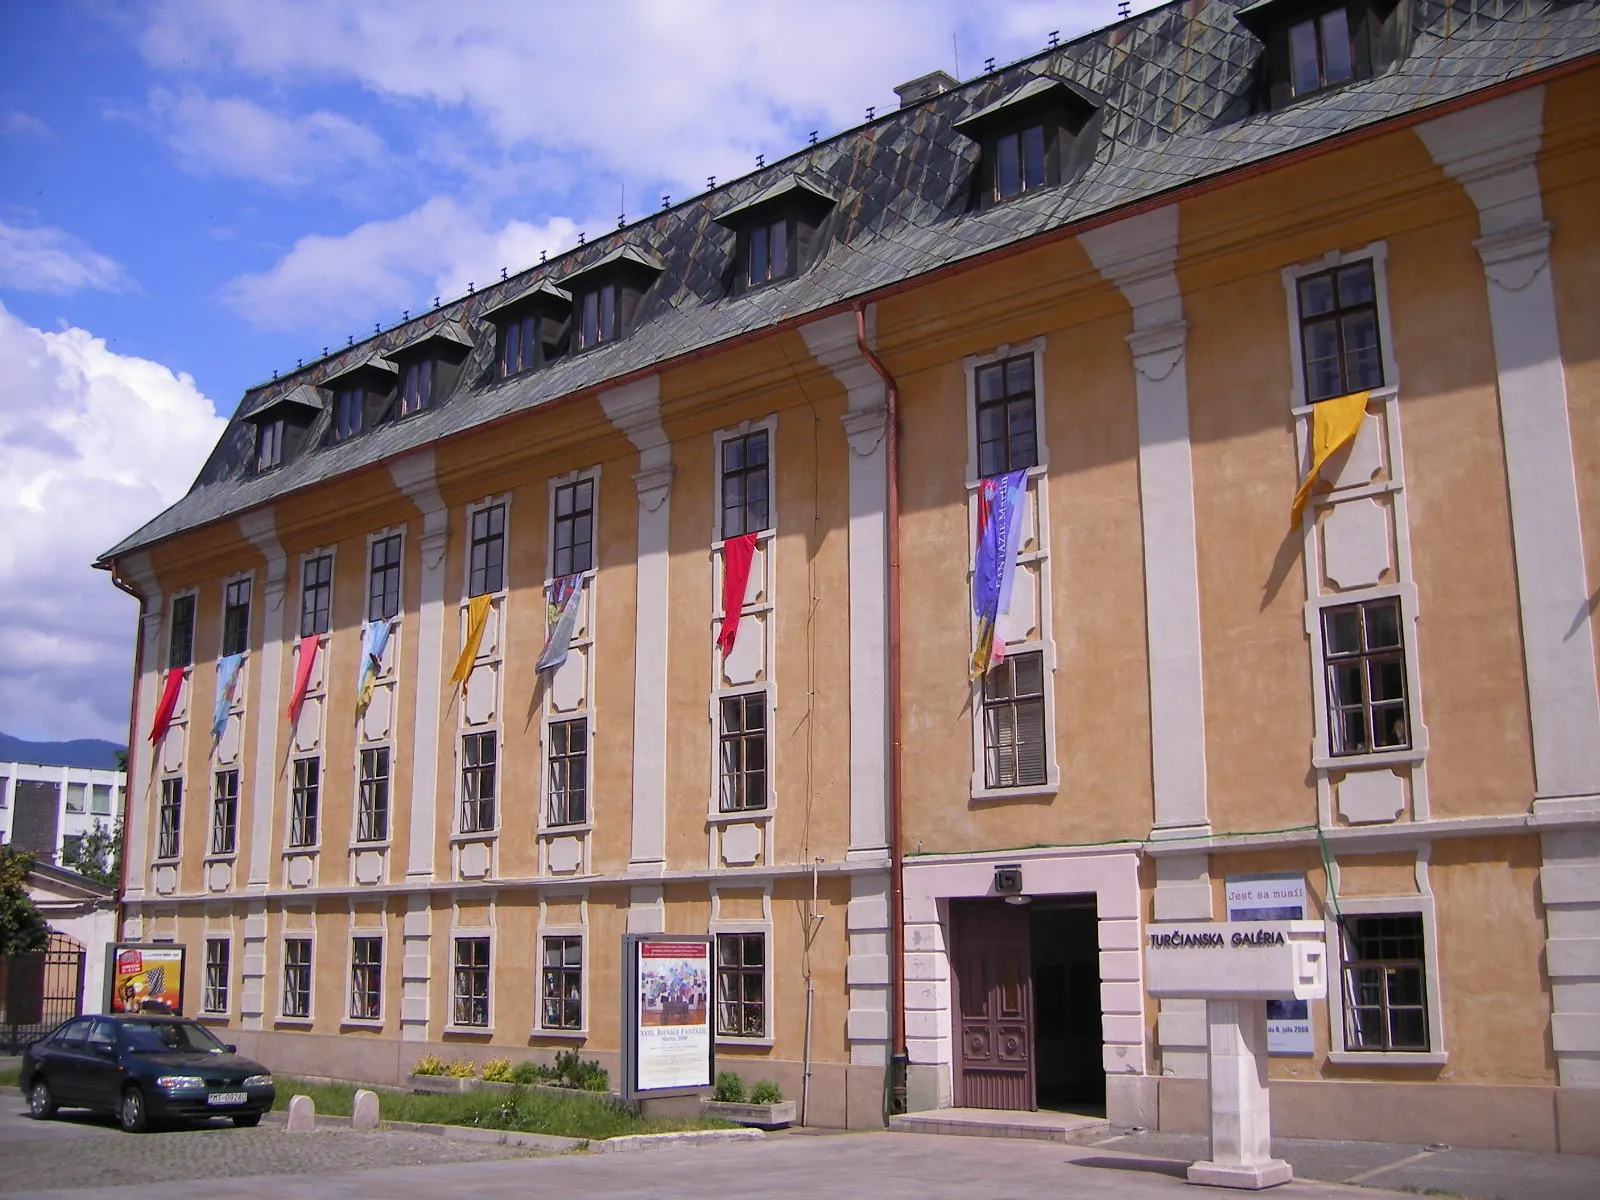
[[1275, 898], [144, 977], [667, 1048]]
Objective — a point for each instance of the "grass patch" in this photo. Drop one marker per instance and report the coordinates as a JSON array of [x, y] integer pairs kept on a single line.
[[520, 1110], [10, 1077]]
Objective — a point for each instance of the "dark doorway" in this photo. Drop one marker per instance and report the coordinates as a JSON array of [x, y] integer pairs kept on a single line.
[[1065, 952], [992, 986]]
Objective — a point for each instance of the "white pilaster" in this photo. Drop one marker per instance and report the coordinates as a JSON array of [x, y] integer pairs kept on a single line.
[[139, 574], [867, 969], [832, 342], [1491, 149], [635, 409], [260, 530], [414, 477], [1183, 893], [1241, 1123], [1138, 255], [414, 969]]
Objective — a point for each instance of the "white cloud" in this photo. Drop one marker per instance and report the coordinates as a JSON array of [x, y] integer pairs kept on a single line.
[[18, 121], [46, 259], [92, 443], [326, 283], [232, 135]]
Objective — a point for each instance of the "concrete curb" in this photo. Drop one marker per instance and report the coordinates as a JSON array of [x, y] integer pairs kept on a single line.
[[671, 1141], [460, 1133]]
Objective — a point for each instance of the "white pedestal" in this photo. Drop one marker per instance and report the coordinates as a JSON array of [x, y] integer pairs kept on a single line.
[[1241, 1123]]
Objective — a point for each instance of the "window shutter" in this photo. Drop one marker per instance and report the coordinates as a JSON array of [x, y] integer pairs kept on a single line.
[[1030, 741], [1001, 735]]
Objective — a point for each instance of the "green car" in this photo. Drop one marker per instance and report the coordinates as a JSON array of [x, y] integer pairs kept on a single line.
[[144, 1070]]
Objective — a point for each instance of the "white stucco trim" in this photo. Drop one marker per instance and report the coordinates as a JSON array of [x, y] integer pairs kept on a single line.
[[138, 571], [1491, 149], [260, 529], [381, 933], [1139, 256]]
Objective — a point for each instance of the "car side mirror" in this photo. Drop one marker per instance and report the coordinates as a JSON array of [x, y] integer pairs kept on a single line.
[[105, 1050], [230, 1047]]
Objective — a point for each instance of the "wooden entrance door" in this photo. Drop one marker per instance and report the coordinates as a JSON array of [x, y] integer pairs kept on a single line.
[[993, 986]]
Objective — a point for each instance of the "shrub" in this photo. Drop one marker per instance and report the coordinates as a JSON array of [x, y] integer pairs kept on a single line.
[[497, 1070], [573, 1072], [526, 1072], [729, 1088], [461, 1068], [428, 1064], [766, 1092]]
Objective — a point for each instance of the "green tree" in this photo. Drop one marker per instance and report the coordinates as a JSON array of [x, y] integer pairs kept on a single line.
[[22, 929], [97, 855], [122, 760]]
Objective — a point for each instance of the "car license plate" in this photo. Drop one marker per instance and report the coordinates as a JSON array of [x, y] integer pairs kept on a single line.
[[226, 1098]]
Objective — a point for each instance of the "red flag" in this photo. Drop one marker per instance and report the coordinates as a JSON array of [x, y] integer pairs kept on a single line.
[[302, 675], [736, 555], [168, 702]]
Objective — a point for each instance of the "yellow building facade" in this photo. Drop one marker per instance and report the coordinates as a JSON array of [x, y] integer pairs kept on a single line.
[[927, 889]]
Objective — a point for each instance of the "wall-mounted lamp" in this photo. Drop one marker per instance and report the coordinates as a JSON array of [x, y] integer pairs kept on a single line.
[[1008, 880]]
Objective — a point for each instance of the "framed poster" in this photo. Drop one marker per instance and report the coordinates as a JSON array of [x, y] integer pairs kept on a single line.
[[668, 1046], [1275, 898], [144, 977]]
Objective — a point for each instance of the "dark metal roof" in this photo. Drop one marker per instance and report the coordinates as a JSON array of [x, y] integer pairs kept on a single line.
[[1177, 82], [1037, 89], [445, 331], [633, 257], [784, 188], [542, 290], [300, 396]]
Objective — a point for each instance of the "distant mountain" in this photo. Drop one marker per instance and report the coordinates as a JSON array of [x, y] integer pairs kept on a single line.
[[94, 753]]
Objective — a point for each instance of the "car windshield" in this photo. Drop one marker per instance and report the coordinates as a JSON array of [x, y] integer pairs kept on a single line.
[[159, 1037]]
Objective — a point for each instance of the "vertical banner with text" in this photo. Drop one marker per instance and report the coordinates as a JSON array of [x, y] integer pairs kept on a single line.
[[1275, 898], [671, 1010]]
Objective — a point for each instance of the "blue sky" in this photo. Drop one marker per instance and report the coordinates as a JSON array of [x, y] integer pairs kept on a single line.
[[193, 195]]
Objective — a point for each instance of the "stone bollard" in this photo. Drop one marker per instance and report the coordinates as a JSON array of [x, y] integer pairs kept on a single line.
[[302, 1114], [364, 1112]]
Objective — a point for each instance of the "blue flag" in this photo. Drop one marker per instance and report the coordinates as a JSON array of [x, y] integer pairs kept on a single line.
[[227, 676], [1000, 500]]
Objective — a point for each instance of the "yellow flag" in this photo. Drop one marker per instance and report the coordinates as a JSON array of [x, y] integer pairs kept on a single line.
[[1333, 424], [477, 615]]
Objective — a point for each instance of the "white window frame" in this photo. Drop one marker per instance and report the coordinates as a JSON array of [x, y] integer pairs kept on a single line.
[[477, 835], [248, 577], [1322, 757], [212, 854], [499, 604], [1361, 906], [331, 553], [1038, 483], [592, 474], [503, 500], [457, 933], [376, 536], [166, 641], [380, 934], [205, 979], [287, 936], [159, 858], [356, 845], [769, 424], [540, 1029], [313, 847], [716, 815], [719, 925], [589, 581], [546, 745]]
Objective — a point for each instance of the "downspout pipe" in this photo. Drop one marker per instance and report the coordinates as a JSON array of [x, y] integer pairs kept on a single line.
[[898, 1060], [133, 728]]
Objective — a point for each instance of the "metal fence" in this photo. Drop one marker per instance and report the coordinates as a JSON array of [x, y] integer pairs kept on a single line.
[[39, 991]]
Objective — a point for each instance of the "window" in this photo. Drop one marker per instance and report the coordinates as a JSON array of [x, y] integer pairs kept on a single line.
[[769, 252], [572, 534], [741, 985], [5, 791], [218, 952], [744, 484], [316, 594], [1339, 332], [348, 406], [99, 798], [1007, 439], [488, 561], [569, 772], [383, 579], [236, 617], [561, 986], [303, 802], [1019, 162], [71, 848], [225, 813], [77, 797], [171, 818], [297, 977], [269, 445], [1319, 52], [1013, 722], [416, 388], [519, 346], [744, 752], [1362, 646], [180, 650], [372, 817], [477, 782], [598, 317], [366, 978], [470, 997], [1385, 983]]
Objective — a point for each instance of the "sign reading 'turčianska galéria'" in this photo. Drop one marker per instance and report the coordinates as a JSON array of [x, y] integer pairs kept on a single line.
[[1254, 937], [1238, 960]]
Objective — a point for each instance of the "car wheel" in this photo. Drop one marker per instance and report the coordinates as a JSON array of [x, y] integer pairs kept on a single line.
[[247, 1120], [41, 1104], [132, 1115]]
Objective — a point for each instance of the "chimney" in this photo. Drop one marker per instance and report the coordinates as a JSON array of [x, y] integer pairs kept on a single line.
[[924, 87]]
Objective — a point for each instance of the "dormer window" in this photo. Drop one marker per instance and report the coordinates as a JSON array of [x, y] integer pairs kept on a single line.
[[1319, 52], [775, 230], [1036, 136], [607, 295], [362, 390], [269, 444], [348, 412], [429, 365], [416, 386], [518, 349], [530, 328]]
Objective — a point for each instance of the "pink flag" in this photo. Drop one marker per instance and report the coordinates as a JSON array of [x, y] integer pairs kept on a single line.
[[165, 706], [736, 555], [302, 676]]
